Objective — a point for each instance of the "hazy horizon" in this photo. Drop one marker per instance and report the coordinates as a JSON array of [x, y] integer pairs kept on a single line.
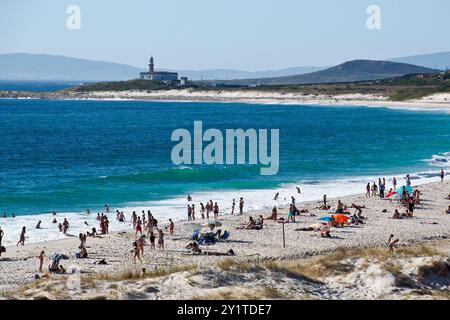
[[250, 36]]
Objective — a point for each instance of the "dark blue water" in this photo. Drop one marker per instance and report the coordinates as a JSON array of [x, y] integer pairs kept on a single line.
[[36, 86], [72, 155]]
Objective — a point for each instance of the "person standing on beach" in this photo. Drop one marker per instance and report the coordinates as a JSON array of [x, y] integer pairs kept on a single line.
[[1, 238], [189, 212], [138, 226], [232, 206], [134, 219], [193, 212], [394, 183], [293, 200], [152, 241], [241, 206], [22, 237], [202, 210], [136, 252], [368, 190], [408, 180], [208, 210], [171, 227], [141, 243], [160, 239], [41, 260], [325, 201], [442, 175], [216, 210]]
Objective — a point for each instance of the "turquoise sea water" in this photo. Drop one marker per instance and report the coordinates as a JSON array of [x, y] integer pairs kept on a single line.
[[71, 155]]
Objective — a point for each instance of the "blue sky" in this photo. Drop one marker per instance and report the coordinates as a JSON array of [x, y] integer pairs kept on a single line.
[[238, 34]]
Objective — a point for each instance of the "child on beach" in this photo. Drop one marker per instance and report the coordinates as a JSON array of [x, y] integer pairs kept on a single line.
[[41, 260]]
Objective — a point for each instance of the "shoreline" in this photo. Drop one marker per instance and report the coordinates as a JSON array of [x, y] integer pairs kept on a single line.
[[435, 102]]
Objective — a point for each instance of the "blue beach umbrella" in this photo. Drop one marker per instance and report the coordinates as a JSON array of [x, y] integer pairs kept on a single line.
[[326, 219], [408, 189]]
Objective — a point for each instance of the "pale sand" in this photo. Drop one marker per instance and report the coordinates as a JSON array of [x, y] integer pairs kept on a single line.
[[19, 264], [435, 101]]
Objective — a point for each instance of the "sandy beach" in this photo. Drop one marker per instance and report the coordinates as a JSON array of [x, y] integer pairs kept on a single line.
[[176, 274], [439, 101]]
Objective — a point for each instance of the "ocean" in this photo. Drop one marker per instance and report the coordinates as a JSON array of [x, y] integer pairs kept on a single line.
[[71, 155], [36, 86]]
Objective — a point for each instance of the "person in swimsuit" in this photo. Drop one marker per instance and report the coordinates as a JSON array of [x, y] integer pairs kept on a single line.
[[152, 241], [276, 196], [442, 174], [38, 226], [241, 206], [22, 237], [41, 260], [136, 252], [171, 227], [138, 226], [140, 244], [232, 206], [160, 239], [202, 210]]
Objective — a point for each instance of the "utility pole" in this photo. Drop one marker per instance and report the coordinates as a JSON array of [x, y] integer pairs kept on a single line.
[[284, 237]]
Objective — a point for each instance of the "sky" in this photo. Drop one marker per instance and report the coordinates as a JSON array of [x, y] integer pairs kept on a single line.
[[232, 34]]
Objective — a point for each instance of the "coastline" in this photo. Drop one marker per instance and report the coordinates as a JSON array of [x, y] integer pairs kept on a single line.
[[430, 225], [435, 102]]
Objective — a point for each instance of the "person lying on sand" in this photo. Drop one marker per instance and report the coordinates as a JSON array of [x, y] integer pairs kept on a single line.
[[397, 215], [93, 233], [325, 231], [194, 247]]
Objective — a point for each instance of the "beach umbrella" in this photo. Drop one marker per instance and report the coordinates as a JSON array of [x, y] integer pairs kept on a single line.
[[408, 189], [340, 218], [213, 224], [399, 196], [58, 256], [326, 219]]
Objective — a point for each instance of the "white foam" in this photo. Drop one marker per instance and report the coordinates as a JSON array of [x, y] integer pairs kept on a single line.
[[176, 208]]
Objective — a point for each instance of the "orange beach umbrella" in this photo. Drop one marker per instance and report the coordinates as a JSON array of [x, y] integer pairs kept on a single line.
[[340, 218]]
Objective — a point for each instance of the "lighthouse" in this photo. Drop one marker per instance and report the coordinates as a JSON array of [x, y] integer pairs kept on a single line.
[[153, 75], [151, 66]]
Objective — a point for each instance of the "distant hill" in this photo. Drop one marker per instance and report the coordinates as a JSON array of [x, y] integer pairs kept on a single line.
[[439, 60], [356, 70], [23, 66], [230, 74]]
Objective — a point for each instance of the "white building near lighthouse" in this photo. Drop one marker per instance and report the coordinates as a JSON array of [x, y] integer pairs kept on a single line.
[[157, 75]]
